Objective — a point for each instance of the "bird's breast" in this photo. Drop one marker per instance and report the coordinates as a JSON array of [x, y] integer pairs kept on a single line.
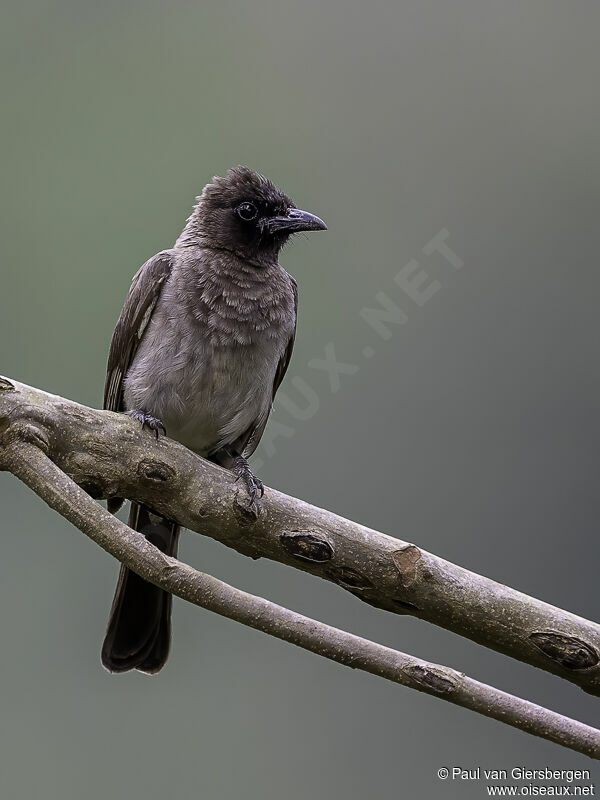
[[207, 361], [206, 394]]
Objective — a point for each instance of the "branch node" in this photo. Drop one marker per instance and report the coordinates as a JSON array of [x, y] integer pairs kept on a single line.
[[407, 563], [307, 546], [432, 679], [155, 471], [25, 432], [569, 651]]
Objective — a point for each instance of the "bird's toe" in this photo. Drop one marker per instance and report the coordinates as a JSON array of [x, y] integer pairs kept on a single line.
[[148, 421], [254, 486]]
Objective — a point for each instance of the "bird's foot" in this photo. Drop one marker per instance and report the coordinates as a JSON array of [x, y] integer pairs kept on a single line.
[[148, 421], [253, 484]]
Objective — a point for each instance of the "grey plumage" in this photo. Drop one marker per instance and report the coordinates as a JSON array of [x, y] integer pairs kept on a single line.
[[207, 362], [201, 346]]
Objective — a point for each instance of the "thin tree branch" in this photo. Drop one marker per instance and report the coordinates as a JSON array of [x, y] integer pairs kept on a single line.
[[109, 455], [26, 459]]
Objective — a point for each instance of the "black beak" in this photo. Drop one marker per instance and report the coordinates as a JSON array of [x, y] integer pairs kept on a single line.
[[294, 221]]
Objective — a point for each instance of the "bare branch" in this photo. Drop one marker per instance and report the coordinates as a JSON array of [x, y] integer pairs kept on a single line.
[[107, 454], [25, 457]]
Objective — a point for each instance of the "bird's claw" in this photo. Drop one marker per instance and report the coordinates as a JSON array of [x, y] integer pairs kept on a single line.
[[148, 421], [253, 484]]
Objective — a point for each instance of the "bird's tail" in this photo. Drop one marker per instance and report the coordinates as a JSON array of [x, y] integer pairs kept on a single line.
[[139, 627]]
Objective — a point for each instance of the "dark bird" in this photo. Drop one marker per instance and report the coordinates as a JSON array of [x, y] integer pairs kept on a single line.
[[202, 344]]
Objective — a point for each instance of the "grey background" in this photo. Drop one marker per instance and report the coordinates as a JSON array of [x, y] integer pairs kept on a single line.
[[473, 431]]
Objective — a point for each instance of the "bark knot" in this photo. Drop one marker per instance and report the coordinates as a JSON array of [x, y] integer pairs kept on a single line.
[[22, 431], [307, 546], [156, 471], [407, 563], [433, 679], [569, 651]]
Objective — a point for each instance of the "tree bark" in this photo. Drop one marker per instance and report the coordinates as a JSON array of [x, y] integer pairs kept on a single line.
[[26, 459], [109, 455], [57, 446]]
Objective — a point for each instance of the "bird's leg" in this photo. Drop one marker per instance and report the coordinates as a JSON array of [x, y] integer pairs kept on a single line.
[[148, 421], [253, 484]]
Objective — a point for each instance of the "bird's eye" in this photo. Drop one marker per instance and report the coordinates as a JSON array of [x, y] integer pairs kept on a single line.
[[247, 211]]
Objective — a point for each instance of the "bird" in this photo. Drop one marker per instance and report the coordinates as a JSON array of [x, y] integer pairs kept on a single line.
[[200, 348]]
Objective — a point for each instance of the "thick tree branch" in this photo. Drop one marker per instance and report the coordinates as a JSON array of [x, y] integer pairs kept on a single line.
[[25, 457], [107, 454]]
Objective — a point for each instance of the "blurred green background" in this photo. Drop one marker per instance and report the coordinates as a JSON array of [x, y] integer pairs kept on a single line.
[[472, 431]]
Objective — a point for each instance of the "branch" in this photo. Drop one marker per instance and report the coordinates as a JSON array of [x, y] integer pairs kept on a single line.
[[109, 455], [25, 458]]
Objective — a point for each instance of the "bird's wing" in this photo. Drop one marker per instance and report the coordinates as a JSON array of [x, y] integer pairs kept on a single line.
[[285, 359], [141, 300], [248, 442]]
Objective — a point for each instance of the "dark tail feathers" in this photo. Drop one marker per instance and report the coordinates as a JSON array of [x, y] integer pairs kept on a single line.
[[139, 627]]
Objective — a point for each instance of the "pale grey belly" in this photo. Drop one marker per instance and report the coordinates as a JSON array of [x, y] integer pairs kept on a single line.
[[206, 398]]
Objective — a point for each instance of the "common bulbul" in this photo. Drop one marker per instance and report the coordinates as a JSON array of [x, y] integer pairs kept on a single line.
[[199, 351]]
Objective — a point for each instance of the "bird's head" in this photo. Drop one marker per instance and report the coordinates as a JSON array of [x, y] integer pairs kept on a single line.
[[247, 214]]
